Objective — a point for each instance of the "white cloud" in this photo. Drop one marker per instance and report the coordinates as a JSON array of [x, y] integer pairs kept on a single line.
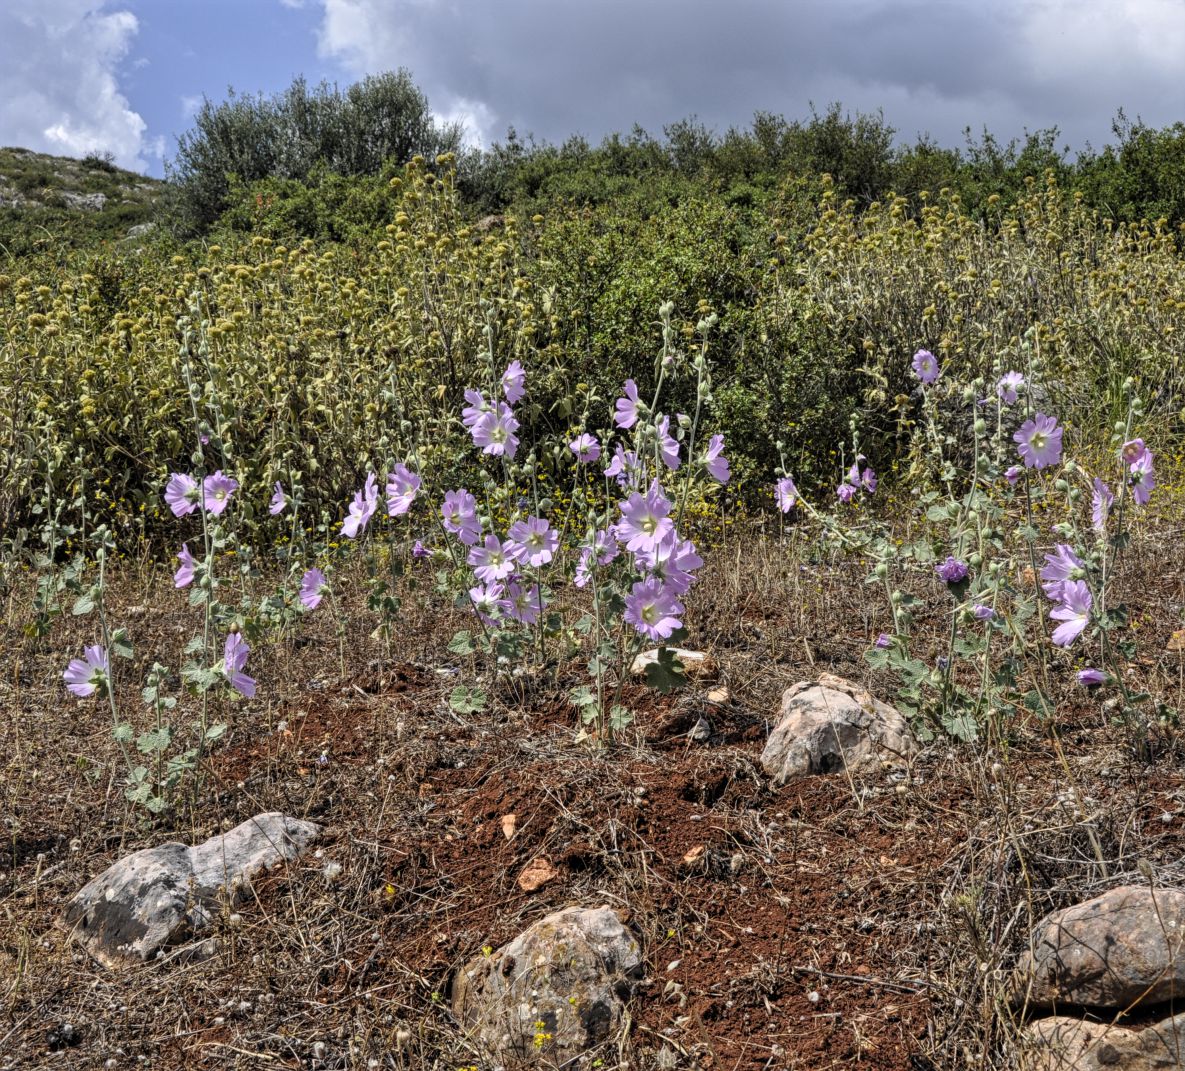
[[59, 89], [558, 67]]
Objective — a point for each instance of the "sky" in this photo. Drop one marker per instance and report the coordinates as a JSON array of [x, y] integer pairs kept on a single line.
[[124, 76]]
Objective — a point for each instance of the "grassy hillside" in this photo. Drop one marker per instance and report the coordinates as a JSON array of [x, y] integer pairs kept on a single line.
[[47, 201]]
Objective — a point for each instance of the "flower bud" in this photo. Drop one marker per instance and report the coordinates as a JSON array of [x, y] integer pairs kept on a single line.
[[975, 560], [882, 570], [968, 395], [980, 426]]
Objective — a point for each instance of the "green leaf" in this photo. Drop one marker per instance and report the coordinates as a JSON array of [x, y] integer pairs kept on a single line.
[[467, 699], [84, 604], [121, 643], [124, 734], [462, 643], [666, 673], [154, 740], [215, 731]]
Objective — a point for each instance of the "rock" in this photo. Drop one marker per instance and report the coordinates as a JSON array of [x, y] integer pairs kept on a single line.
[[696, 664], [829, 725], [537, 873], [701, 731], [159, 897], [1117, 950], [1064, 1043], [140, 230], [88, 202], [554, 992]]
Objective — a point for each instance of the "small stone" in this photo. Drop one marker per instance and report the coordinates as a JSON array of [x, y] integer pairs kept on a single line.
[[701, 731], [537, 873], [696, 664]]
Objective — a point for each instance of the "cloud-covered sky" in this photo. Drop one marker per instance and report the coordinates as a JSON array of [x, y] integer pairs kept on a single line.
[[125, 75]]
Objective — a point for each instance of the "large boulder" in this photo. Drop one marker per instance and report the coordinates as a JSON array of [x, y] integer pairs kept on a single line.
[[1064, 1043], [555, 992], [159, 897], [832, 724], [1120, 949]]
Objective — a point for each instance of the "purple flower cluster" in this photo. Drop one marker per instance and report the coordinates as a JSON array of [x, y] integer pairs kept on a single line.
[[860, 478], [183, 494], [1062, 579]]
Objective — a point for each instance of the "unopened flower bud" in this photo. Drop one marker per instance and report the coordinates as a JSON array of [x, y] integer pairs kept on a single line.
[[882, 570], [969, 395], [980, 426]]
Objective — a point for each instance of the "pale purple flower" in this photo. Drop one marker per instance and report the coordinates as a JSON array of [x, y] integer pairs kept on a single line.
[[883, 641], [845, 491], [1074, 613], [183, 577], [522, 604], [312, 588], [925, 366], [486, 602], [1090, 676], [672, 561], [667, 445], [279, 500], [491, 561], [583, 573], [868, 481], [952, 570], [626, 415], [362, 509], [217, 489], [1143, 479], [234, 658], [1061, 565], [1101, 500], [715, 461], [982, 612], [653, 609], [1040, 442], [514, 382], [419, 552], [459, 513], [605, 546], [623, 466], [476, 409], [586, 448], [402, 487], [181, 494], [1007, 386], [494, 432], [645, 520], [532, 542], [786, 494], [1013, 474], [1132, 450], [85, 677]]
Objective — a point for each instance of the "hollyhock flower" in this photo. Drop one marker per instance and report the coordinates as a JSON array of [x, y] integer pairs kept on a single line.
[[532, 542], [1132, 450], [645, 521], [626, 415], [1143, 479], [491, 561], [1074, 613], [460, 516], [486, 602], [216, 490], [1007, 386], [522, 604], [583, 573], [623, 466], [419, 552], [854, 471], [476, 409], [234, 658], [402, 487], [312, 588], [1061, 564], [667, 445], [181, 494], [786, 494], [883, 641], [1013, 474], [952, 570], [982, 612], [605, 546], [184, 575], [673, 561], [653, 609], [279, 500], [494, 432], [1090, 677], [715, 461], [845, 491], [85, 677], [925, 366], [868, 481], [1101, 500], [1040, 442], [362, 509], [514, 382], [586, 448]]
